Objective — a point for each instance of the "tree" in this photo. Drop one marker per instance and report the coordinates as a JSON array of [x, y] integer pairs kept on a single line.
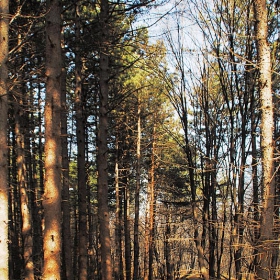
[[52, 184], [137, 193], [67, 248], [178, 91], [267, 142], [80, 133], [102, 152], [4, 51], [20, 122]]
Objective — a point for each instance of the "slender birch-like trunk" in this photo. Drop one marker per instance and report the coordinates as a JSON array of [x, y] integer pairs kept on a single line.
[[267, 144]]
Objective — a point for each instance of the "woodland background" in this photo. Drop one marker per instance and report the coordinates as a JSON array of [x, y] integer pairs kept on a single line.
[[142, 139]]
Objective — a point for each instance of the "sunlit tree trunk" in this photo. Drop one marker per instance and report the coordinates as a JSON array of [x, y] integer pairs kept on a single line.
[[4, 215], [26, 229], [102, 152], [267, 143], [52, 186], [23, 165]]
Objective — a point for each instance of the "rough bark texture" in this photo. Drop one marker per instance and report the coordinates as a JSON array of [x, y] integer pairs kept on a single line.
[[52, 186], [102, 154], [4, 29], [267, 144], [26, 229]]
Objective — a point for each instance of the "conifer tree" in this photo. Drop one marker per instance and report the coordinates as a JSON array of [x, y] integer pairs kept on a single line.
[[52, 184], [102, 152]]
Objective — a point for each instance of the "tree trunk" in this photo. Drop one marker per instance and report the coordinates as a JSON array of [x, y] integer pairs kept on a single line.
[[167, 247], [118, 267], [15, 254], [146, 248], [267, 143], [151, 206], [137, 194], [80, 132], [37, 192], [102, 152], [127, 237], [52, 187], [4, 213], [27, 238], [67, 247]]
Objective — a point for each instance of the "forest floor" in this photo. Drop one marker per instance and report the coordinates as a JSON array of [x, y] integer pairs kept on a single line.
[[191, 277]]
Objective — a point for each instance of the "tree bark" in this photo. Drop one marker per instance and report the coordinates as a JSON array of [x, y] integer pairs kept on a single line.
[[267, 144], [167, 246], [137, 194], [52, 186], [37, 192], [151, 206], [102, 152], [67, 247], [80, 132], [4, 213], [118, 267], [127, 237], [26, 229]]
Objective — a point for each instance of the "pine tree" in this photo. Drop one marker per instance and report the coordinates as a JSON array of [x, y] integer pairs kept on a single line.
[[102, 152], [52, 184]]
